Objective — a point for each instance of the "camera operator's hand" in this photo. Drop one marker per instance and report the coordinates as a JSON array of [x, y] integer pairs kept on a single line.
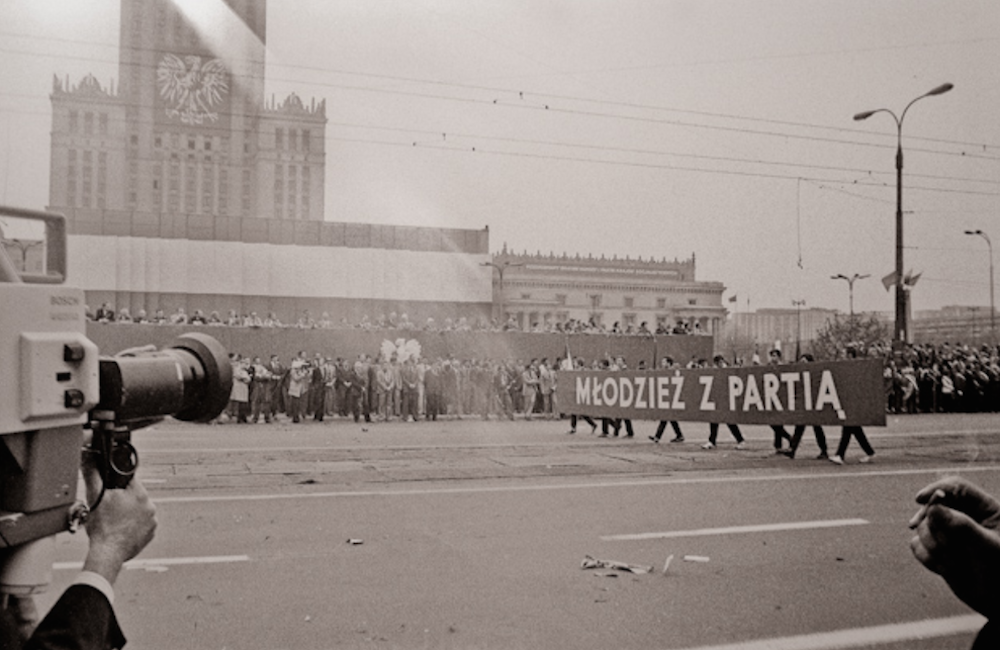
[[121, 526], [957, 538]]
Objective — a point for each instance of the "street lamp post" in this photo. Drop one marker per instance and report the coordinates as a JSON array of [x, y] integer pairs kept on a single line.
[[989, 244], [501, 267], [23, 246], [850, 285], [901, 335]]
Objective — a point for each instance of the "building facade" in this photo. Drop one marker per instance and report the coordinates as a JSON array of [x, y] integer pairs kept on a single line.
[[539, 290], [187, 130], [184, 187], [747, 333], [955, 324], [351, 271]]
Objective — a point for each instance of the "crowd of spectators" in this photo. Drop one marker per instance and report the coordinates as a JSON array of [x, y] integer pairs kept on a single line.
[[943, 378], [107, 314], [389, 388], [923, 378], [937, 378]]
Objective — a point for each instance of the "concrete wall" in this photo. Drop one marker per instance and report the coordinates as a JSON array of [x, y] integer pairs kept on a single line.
[[285, 342], [151, 265]]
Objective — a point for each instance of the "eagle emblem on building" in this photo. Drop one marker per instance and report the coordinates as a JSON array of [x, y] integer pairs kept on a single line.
[[402, 349], [192, 88]]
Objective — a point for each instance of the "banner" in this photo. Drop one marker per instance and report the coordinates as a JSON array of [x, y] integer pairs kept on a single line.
[[835, 393]]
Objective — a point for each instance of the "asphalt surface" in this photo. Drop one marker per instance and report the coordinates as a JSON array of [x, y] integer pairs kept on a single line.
[[471, 534]]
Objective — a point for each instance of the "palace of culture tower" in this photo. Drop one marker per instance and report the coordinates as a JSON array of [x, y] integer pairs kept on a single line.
[[187, 131]]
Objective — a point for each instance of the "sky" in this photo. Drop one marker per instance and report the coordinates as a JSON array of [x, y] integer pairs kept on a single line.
[[716, 128]]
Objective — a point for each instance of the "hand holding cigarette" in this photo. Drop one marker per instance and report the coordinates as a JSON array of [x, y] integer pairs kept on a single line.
[[957, 538]]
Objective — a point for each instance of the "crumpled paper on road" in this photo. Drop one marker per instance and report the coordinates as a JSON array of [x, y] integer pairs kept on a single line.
[[594, 563]]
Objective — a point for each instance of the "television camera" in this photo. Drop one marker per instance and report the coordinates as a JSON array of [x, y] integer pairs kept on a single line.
[[59, 398]]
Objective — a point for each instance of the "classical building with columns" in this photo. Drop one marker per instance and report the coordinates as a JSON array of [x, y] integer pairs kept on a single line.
[[784, 327], [541, 288]]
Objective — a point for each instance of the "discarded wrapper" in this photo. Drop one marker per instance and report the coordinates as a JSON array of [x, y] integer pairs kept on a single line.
[[695, 558], [355, 542], [593, 563]]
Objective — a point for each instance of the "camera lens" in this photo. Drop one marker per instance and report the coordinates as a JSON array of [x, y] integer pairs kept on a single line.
[[191, 380]]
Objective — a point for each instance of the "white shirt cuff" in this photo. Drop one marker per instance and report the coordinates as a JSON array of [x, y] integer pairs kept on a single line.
[[98, 582]]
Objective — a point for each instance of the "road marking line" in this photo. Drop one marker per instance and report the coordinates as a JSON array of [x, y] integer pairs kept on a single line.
[[729, 530], [833, 474], [339, 446], [862, 636], [167, 561]]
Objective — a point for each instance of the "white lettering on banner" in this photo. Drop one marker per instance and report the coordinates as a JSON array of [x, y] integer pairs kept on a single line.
[[771, 401], [678, 383], [752, 395], [626, 392], [663, 392], [610, 401], [790, 379], [828, 394], [640, 392], [706, 403], [735, 390], [784, 391]]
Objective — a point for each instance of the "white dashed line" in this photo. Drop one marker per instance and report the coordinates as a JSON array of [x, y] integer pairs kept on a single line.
[[730, 530], [167, 561], [832, 474], [862, 637]]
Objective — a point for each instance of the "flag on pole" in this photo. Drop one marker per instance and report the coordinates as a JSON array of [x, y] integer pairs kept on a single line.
[[568, 362], [910, 280], [889, 280], [732, 298]]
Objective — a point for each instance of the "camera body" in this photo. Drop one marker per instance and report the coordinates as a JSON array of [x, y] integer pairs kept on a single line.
[[58, 394]]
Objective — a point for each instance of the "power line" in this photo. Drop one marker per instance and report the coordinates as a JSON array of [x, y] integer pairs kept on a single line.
[[520, 92], [478, 150], [657, 152], [735, 160], [556, 109], [824, 186], [185, 157]]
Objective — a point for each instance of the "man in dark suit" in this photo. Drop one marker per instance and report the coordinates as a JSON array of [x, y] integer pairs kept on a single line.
[[83, 618]]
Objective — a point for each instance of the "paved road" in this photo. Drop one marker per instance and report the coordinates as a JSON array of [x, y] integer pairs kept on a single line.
[[473, 534]]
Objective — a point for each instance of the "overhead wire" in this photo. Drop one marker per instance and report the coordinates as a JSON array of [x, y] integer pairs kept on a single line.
[[518, 91], [549, 107], [197, 157], [627, 150], [480, 150]]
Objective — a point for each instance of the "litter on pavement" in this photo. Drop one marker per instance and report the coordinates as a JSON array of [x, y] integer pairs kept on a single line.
[[593, 563]]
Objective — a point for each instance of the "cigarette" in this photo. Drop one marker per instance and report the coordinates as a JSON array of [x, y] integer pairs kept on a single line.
[[937, 497], [695, 558], [666, 565]]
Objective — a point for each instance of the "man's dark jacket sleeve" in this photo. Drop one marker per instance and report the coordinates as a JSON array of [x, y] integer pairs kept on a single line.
[[82, 619]]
